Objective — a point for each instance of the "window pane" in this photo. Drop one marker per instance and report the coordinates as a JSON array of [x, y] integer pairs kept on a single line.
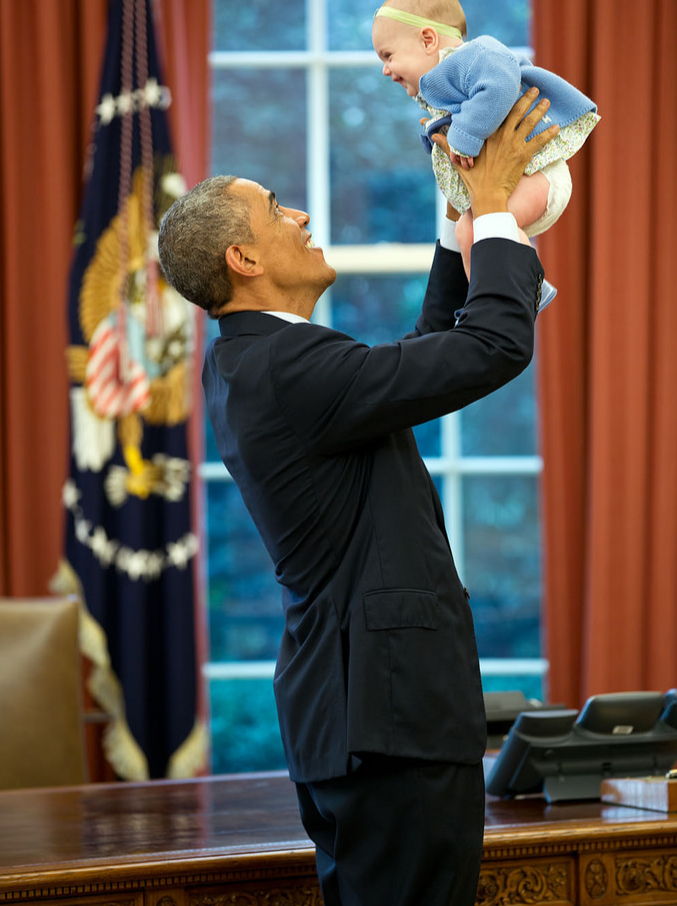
[[502, 563], [211, 450], [349, 24], [379, 310], [259, 25], [506, 20], [531, 686], [245, 609], [375, 309], [382, 185], [503, 423], [254, 136], [245, 734]]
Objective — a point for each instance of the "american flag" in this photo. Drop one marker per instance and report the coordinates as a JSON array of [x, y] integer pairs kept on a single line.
[[130, 547]]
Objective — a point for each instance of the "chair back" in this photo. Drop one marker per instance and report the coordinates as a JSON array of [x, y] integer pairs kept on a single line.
[[41, 728]]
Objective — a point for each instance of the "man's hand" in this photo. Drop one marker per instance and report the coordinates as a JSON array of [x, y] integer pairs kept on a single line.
[[504, 155]]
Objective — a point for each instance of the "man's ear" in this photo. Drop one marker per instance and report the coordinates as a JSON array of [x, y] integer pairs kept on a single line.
[[430, 40], [242, 259]]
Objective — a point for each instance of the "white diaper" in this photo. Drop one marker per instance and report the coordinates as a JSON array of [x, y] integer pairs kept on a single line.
[[558, 175]]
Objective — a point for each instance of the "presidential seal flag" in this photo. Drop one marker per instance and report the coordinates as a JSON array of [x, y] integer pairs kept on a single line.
[[130, 550]]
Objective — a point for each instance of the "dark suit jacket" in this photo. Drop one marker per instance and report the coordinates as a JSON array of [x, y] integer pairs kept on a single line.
[[378, 654]]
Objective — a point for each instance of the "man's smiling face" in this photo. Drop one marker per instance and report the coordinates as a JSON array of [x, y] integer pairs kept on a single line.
[[290, 260]]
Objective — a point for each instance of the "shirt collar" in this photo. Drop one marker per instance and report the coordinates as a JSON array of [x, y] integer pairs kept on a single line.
[[288, 316]]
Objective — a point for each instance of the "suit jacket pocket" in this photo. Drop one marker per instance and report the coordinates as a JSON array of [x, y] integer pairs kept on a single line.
[[400, 674], [401, 609]]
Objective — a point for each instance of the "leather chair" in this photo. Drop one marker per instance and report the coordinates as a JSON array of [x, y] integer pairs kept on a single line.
[[41, 720]]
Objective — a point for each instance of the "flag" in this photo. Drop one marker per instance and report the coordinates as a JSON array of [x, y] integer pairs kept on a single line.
[[129, 549]]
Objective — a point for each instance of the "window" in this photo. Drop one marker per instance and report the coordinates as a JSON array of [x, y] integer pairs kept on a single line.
[[301, 106]]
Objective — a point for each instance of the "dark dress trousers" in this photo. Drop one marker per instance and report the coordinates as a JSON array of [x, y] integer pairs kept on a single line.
[[378, 656]]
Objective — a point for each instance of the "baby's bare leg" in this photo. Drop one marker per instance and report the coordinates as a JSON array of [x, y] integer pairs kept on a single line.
[[530, 199], [464, 237]]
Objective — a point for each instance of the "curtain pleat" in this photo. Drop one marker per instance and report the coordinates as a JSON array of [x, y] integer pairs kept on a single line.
[[41, 163]]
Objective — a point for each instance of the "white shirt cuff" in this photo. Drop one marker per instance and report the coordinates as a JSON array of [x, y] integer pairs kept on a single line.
[[500, 225], [448, 235]]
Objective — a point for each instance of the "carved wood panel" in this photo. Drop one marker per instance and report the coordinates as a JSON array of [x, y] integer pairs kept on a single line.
[[646, 877], [532, 882], [174, 897], [302, 895]]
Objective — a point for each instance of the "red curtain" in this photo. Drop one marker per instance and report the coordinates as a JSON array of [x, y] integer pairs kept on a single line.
[[608, 370], [50, 59]]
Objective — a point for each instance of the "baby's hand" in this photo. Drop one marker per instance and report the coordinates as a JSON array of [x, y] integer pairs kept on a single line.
[[466, 163], [458, 160]]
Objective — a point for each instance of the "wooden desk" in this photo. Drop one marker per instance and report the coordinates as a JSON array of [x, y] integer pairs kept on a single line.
[[237, 841]]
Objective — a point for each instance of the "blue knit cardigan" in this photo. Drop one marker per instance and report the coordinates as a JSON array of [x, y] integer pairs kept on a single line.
[[479, 83]]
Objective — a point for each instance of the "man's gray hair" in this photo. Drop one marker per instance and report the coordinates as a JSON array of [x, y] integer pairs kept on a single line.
[[194, 235]]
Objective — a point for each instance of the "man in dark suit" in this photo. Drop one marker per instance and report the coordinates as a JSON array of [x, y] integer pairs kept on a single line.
[[377, 682]]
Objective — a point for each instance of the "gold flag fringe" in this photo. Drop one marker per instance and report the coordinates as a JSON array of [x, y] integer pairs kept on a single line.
[[120, 748], [190, 759]]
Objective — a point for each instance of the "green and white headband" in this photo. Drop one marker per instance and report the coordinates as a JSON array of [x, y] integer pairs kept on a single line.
[[399, 15]]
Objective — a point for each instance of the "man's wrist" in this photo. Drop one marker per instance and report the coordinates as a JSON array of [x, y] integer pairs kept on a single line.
[[452, 213], [489, 204]]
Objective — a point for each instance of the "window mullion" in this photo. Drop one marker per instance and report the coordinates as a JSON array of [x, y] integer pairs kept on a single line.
[[317, 138]]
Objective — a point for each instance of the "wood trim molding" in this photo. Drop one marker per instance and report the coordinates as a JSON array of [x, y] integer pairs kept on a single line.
[[219, 870]]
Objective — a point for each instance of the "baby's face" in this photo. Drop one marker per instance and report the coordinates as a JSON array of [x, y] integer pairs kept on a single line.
[[403, 53]]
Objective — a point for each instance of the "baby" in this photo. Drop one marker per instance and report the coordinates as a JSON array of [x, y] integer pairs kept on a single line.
[[467, 89]]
